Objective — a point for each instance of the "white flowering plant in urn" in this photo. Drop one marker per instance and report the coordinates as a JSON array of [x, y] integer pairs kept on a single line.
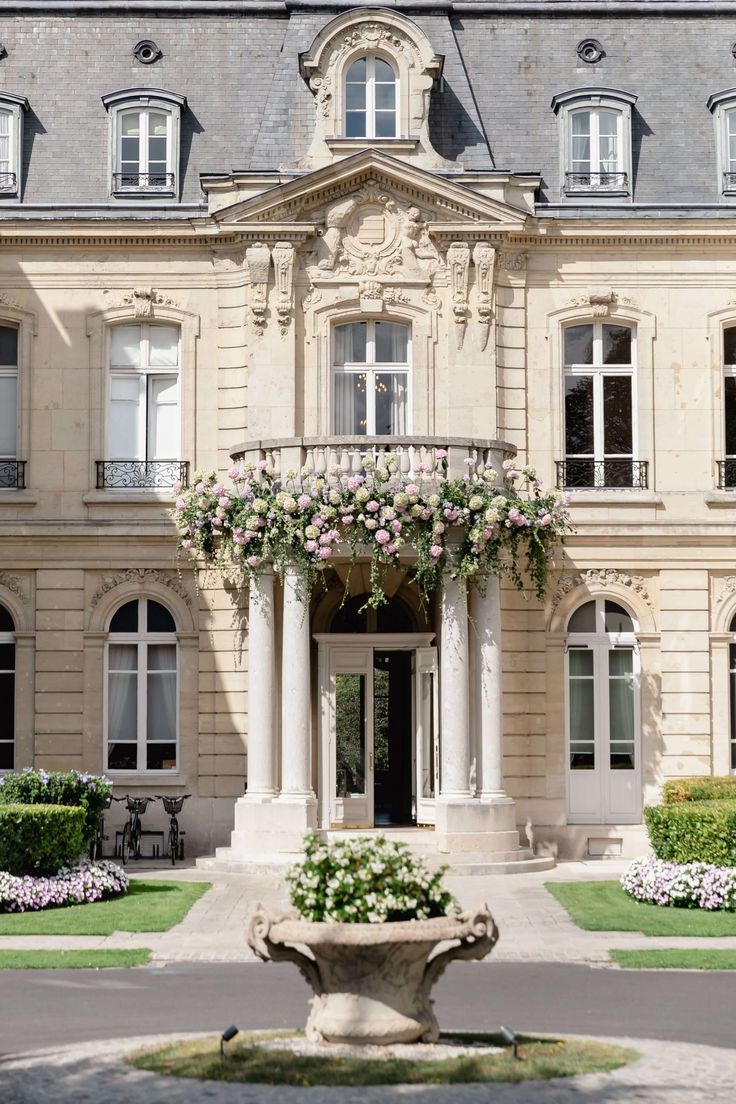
[[370, 917]]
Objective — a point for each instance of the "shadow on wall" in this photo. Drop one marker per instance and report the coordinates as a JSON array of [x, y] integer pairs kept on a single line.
[[451, 130]]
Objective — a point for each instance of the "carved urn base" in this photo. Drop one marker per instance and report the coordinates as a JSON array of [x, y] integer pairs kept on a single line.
[[372, 982]]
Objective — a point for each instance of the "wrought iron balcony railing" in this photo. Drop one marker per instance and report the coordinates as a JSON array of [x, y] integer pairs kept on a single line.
[[729, 181], [131, 475], [727, 474], [8, 182], [142, 182], [603, 474], [596, 181], [12, 475]]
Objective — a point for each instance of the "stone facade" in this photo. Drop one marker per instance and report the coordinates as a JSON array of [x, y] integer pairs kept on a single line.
[[477, 251]]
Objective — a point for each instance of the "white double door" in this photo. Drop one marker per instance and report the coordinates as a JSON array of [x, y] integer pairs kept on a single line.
[[603, 730], [355, 718]]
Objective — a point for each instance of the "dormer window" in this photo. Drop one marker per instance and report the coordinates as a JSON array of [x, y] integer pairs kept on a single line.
[[144, 141], [11, 142], [723, 107], [370, 99], [595, 141]]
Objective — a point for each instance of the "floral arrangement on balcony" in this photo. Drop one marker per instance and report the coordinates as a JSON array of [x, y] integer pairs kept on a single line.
[[466, 527]]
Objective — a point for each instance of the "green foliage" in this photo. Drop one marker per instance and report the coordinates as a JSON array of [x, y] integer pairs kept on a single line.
[[89, 792], [693, 831], [365, 881], [674, 958], [74, 959], [40, 839], [604, 906], [699, 789]]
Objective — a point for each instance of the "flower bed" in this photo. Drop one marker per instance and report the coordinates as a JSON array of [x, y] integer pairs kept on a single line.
[[684, 885], [79, 885], [464, 527]]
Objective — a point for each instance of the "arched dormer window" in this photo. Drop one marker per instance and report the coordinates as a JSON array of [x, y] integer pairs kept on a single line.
[[722, 106], [371, 92], [144, 140], [12, 109], [595, 141]]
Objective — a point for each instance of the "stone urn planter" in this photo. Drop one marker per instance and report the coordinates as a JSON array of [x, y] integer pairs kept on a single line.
[[372, 982]]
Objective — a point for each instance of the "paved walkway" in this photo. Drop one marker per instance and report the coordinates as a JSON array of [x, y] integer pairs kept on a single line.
[[89, 1074], [533, 926]]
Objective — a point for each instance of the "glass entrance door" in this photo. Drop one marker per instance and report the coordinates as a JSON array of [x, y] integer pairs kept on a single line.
[[426, 712], [351, 737]]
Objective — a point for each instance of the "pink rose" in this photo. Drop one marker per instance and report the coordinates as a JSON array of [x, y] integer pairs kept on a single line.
[[224, 501], [311, 546], [372, 506], [383, 537], [325, 553], [435, 551], [218, 489], [253, 561], [304, 501]]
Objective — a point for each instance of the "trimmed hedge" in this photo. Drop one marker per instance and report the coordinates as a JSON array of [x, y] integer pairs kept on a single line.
[[41, 787], [693, 831], [40, 839], [699, 789]]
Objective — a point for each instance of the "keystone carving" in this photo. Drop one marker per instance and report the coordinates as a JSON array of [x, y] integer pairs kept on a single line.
[[283, 265], [458, 264], [483, 259], [602, 577], [142, 576], [258, 257], [145, 300], [601, 301]]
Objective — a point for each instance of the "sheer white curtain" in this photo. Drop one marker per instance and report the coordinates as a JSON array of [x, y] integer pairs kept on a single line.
[[122, 693], [161, 693]]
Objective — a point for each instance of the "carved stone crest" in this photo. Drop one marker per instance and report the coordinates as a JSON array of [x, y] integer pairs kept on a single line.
[[141, 576], [600, 300], [145, 300], [602, 577], [13, 584]]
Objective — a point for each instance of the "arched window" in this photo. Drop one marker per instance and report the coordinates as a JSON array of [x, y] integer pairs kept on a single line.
[[144, 135], [371, 379], [603, 715], [595, 133], [144, 418], [7, 690], [10, 469], [732, 692], [600, 407], [370, 99], [142, 688]]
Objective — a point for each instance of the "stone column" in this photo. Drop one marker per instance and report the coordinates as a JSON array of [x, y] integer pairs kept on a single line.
[[262, 746], [455, 705], [486, 618], [296, 712]]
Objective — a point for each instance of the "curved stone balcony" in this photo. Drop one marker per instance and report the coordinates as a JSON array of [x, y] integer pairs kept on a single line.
[[430, 459]]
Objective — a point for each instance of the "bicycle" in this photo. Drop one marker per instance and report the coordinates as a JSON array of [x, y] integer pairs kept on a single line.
[[95, 848], [131, 842], [174, 805]]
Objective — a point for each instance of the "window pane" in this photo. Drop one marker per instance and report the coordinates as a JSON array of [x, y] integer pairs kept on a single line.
[[385, 124], [161, 706], [350, 734], [616, 345], [6, 621], [157, 121], [163, 345], [732, 688], [158, 618], [122, 756], [8, 346], [608, 123], [391, 343], [8, 415], [579, 345], [125, 418], [123, 657], [7, 755], [621, 709], [582, 721], [580, 122], [617, 620], [161, 756], [122, 706], [357, 71], [579, 415], [730, 413], [355, 125], [391, 403], [162, 657], [350, 403], [163, 418], [617, 427], [386, 96], [125, 346], [583, 620], [350, 343], [7, 663], [126, 618], [355, 97], [383, 71], [729, 345], [130, 123]]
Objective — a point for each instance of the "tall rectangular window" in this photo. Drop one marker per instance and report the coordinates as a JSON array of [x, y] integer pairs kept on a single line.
[[728, 465], [371, 379], [596, 149], [599, 407], [8, 393], [144, 154]]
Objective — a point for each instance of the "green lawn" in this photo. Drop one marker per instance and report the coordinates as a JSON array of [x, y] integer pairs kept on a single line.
[[675, 959], [148, 906], [77, 960], [603, 906]]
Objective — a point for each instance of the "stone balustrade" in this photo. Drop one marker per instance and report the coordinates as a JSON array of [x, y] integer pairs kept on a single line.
[[407, 459]]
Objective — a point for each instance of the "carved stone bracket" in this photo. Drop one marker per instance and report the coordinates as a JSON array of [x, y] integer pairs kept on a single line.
[[601, 301], [458, 263], [145, 300], [602, 577], [483, 258], [283, 265], [258, 257], [141, 576]]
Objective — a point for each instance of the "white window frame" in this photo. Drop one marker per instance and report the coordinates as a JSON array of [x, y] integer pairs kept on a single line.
[[9, 638], [566, 105], [9, 371], [143, 373], [144, 101], [370, 369], [598, 370], [370, 98], [729, 372], [731, 654], [141, 639], [14, 107], [722, 106]]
